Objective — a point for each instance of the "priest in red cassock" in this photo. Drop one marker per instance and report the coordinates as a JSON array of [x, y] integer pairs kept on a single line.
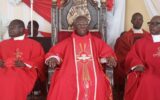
[[78, 73], [143, 63], [123, 46], [21, 62]]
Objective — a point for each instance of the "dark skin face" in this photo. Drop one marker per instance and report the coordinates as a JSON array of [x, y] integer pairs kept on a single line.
[[137, 20], [35, 29], [16, 28], [80, 26], [154, 25]]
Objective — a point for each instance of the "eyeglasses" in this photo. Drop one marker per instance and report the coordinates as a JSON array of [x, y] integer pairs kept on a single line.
[[153, 23]]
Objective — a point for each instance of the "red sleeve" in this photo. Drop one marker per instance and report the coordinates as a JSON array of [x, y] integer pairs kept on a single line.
[[131, 86], [104, 50], [59, 49], [133, 58], [120, 50], [37, 59]]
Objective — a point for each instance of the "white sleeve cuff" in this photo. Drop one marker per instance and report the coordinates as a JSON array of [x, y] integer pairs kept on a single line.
[[56, 57], [29, 66], [103, 60], [133, 68]]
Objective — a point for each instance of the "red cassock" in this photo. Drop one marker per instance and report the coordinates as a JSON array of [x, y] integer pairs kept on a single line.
[[80, 75], [122, 47], [145, 85], [17, 83]]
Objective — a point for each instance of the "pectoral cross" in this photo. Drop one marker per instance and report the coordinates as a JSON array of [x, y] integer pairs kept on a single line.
[[18, 54]]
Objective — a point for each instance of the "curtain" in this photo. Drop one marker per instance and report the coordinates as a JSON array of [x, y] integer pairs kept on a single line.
[[115, 21], [42, 7], [152, 7]]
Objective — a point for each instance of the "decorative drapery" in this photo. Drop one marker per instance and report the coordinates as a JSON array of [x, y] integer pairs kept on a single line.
[[15, 2], [152, 7], [42, 7], [115, 21]]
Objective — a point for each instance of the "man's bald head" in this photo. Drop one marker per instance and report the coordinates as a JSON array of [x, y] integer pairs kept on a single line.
[[16, 28], [154, 25], [80, 25]]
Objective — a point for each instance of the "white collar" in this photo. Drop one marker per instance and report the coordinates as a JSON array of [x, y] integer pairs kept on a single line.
[[19, 37], [156, 38], [137, 30]]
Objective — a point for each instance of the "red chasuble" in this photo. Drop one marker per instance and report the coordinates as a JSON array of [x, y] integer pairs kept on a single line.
[[80, 75], [147, 85], [17, 83], [122, 47]]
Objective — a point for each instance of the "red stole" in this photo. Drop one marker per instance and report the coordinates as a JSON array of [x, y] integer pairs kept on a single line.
[[85, 68]]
